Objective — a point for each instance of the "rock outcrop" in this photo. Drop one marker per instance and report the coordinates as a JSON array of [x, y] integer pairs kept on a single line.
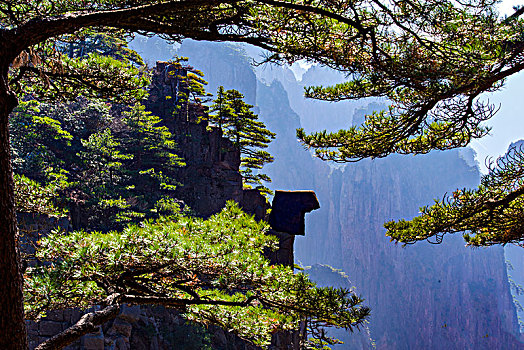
[[423, 296], [287, 219], [210, 178], [138, 328]]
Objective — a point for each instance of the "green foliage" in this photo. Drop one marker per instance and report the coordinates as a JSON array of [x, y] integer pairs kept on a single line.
[[43, 134], [102, 179], [431, 60], [239, 124], [222, 108], [491, 214], [49, 74], [32, 197], [89, 268], [116, 174], [108, 44], [166, 207], [91, 63], [102, 158], [211, 269], [188, 336], [314, 344], [151, 144], [190, 87], [35, 65]]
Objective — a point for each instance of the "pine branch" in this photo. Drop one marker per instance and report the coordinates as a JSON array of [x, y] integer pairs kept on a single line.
[[88, 323]]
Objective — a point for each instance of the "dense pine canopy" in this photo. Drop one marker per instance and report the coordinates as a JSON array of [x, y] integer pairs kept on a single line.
[[213, 270], [432, 59], [241, 125], [115, 164]]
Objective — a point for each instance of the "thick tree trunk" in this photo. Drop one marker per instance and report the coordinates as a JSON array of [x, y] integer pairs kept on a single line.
[[12, 325]]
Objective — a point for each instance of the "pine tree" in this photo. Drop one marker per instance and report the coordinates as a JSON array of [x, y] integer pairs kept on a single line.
[[90, 41], [433, 69], [115, 175], [239, 124], [189, 91], [222, 108], [32, 64], [39, 138], [151, 171], [101, 179], [213, 270]]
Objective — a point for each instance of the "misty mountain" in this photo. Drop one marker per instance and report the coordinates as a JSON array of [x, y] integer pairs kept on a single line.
[[423, 296]]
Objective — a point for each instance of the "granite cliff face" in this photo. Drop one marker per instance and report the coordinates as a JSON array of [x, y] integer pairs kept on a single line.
[[313, 113], [224, 65], [210, 178], [423, 296]]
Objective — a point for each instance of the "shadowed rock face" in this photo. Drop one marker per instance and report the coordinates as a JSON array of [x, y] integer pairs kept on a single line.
[[33, 226], [287, 219], [421, 297], [210, 178], [289, 208]]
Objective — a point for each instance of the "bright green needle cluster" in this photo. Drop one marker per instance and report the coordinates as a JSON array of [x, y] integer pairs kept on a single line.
[[213, 270]]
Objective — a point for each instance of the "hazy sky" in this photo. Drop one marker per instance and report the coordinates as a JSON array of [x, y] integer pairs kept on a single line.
[[507, 5], [508, 124]]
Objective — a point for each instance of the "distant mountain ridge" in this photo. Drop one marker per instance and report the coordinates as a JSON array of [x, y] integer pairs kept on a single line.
[[422, 296]]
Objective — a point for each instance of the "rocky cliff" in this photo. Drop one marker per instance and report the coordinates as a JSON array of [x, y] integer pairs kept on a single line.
[[210, 178], [423, 296]]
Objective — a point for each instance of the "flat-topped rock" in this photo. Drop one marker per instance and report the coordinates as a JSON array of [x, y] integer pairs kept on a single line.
[[289, 208]]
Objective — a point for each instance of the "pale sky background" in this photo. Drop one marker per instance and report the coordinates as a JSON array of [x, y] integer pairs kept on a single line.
[[508, 124], [507, 5]]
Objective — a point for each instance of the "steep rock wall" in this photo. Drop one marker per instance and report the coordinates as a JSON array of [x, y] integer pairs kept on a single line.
[[211, 174], [209, 179], [422, 296]]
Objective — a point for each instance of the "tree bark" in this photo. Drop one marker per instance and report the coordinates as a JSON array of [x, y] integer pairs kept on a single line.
[[12, 325], [89, 323]]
